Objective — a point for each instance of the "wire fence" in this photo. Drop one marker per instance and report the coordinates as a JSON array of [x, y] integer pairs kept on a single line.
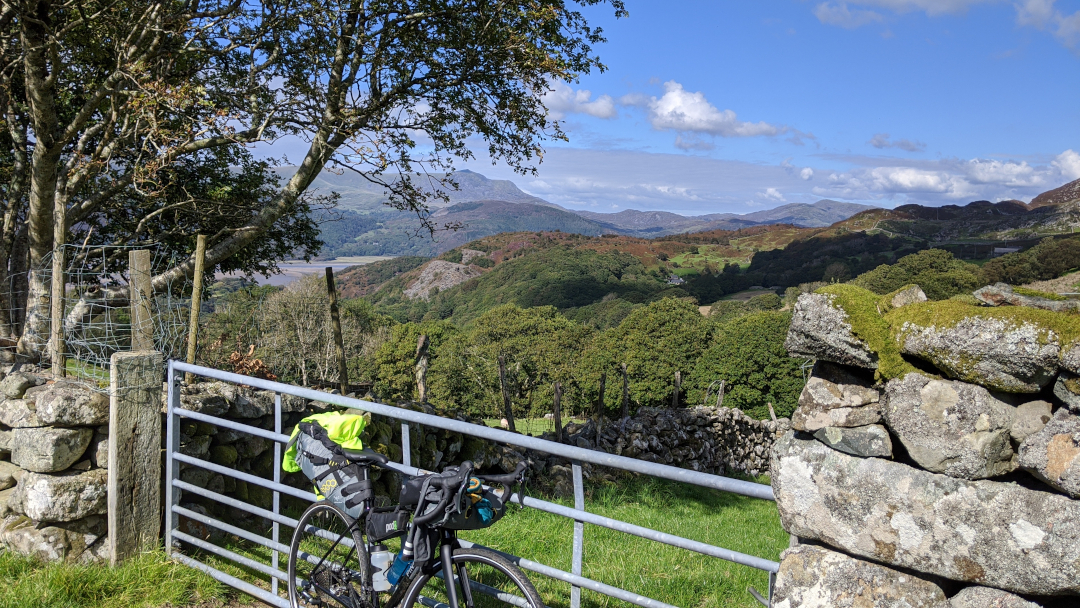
[[97, 315]]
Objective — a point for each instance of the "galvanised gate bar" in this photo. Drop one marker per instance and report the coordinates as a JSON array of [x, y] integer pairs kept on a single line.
[[274, 569]]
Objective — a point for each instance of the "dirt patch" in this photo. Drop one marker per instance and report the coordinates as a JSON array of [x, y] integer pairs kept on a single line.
[[1069, 283]]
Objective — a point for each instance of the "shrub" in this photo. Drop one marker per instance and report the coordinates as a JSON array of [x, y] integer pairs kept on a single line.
[[936, 271]]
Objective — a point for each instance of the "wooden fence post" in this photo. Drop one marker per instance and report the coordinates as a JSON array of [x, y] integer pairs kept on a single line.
[[421, 368], [134, 487], [720, 394], [508, 412], [678, 387], [625, 393], [600, 403], [142, 323], [558, 412], [196, 303], [59, 363], [339, 341]]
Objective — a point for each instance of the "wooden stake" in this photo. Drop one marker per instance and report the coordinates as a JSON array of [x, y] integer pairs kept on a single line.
[[142, 324], [421, 368], [508, 412], [720, 394], [196, 303], [56, 312], [600, 402], [339, 341], [558, 412], [678, 387], [625, 394]]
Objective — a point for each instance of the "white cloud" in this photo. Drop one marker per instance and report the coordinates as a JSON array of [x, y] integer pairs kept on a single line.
[[952, 181], [685, 112], [772, 194], [1042, 14], [692, 143], [806, 174], [882, 141], [562, 100], [839, 14], [1068, 163]]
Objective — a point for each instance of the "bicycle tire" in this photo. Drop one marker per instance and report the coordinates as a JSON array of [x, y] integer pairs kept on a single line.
[[481, 566], [342, 575]]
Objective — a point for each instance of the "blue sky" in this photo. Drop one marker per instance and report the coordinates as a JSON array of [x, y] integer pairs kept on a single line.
[[736, 106]]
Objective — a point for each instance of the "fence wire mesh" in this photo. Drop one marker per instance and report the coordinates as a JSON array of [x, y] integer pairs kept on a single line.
[[97, 315]]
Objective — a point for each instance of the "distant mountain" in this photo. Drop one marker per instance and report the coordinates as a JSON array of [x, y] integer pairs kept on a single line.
[[1058, 196], [358, 194], [661, 223], [396, 234]]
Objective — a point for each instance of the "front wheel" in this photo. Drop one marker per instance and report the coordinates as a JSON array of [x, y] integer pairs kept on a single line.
[[494, 582], [328, 561]]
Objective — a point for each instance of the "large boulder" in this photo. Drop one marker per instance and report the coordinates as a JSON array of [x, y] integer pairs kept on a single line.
[[1013, 355], [1067, 389], [203, 403], [821, 329], [951, 427], [836, 397], [49, 449], [978, 532], [70, 403], [1003, 294], [985, 597], [18, 413], [8, 474], [1053, 454], [14, 385], [65, 497], [865, 441], [69, 541], [815, 577]]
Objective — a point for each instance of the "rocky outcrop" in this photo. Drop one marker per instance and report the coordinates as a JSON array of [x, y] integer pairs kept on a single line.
[[814, 577], [439, 275], [985, 597], [901, 516], [951, 427], [1053, 454], [1002, 294], [68, 403], [835, 397], [65, 497], [1067, 389], [820, 329], [49, 449], [79, 541], [1000, 354], [871, 441]]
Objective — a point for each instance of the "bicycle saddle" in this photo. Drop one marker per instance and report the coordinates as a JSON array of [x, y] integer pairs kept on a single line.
[[364, 457]]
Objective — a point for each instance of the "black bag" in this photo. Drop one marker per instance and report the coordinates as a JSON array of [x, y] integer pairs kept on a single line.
[[335, 478], [386, 522]]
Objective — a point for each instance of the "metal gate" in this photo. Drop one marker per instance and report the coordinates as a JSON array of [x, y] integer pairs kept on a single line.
[[280, 549]]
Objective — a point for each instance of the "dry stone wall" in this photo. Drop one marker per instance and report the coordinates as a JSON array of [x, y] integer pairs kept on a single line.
[[934, 459], [53, 461]]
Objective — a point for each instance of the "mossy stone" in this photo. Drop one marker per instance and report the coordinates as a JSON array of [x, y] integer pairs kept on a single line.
[[225, 455]]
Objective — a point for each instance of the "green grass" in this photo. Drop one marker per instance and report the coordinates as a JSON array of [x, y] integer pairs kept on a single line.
[[532, 426], [675, 576], [148, 581]]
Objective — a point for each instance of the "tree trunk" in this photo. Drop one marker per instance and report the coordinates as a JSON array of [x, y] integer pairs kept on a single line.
[[421, 368], [508, 412]]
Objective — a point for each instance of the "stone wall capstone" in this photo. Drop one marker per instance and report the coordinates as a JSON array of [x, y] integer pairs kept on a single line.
[[976, 504]]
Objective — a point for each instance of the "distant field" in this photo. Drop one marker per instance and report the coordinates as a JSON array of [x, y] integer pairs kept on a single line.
[[744, 296]]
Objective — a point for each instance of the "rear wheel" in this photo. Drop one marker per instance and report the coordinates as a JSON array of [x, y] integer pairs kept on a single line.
[[328, 561], [494, 582]]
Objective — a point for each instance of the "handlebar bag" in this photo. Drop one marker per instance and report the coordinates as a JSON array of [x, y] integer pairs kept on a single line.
[[485, 511], [316, 449]]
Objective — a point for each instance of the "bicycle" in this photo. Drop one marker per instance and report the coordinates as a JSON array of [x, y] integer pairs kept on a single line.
[[330, 558]]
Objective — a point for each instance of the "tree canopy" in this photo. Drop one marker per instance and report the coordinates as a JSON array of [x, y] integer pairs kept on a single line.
[[106, 104]]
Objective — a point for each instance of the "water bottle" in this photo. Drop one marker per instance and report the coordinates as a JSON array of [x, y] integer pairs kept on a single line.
[[380, 564], [401, 564]]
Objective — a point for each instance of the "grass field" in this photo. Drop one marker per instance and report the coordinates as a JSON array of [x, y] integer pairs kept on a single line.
[[533, 426], [676, 576]]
